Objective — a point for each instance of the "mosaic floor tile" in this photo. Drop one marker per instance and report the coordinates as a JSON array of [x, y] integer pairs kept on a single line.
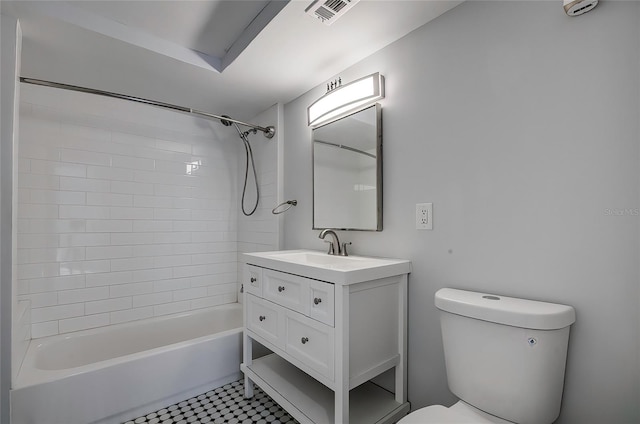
[[224, 405]]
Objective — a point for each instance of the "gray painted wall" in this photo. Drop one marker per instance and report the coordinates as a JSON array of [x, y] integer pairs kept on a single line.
[[520, 124]]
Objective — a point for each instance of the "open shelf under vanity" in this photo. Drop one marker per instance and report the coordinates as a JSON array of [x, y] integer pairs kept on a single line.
[[309, 401]]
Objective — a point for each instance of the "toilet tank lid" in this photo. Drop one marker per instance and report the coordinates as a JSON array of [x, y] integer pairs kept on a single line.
[[505, 310]]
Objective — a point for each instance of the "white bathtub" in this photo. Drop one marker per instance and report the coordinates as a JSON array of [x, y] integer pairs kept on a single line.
[[109, 375]]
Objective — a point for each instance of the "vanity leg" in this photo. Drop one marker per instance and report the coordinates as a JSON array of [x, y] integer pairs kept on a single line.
[[341, 406], [401, 368], [247, 359]]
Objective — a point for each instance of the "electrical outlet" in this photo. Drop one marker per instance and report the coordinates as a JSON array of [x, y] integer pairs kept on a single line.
[[424, 216]]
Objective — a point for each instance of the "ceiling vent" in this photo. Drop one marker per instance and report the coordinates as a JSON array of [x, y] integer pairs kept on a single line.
[[328, 11]]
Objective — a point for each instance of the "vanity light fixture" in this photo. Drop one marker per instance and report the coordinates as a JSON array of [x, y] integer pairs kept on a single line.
[[346, 99]]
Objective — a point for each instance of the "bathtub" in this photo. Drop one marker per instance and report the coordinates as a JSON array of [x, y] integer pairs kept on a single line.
[[110, 375]]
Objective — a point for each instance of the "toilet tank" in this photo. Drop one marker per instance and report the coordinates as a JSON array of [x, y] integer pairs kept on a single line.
[[505, 356]]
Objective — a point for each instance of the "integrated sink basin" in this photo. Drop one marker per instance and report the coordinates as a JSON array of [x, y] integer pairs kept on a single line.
[[322, 266]]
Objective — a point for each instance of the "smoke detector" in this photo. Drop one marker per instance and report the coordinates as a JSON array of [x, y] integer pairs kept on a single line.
[[328, 11], [578, 7]]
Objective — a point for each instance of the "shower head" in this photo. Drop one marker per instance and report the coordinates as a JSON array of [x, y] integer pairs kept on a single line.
[[225, 122]]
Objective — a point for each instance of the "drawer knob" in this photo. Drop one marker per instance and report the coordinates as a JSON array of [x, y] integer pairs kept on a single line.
[[262, 317], [254, 279], [280, 288], [317, 300], [304, 340]]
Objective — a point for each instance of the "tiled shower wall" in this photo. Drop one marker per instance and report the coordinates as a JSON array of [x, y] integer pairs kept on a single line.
[[125, 211]]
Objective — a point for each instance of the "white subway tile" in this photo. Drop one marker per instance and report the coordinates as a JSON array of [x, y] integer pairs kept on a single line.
[[131, 315], [132, 162], [177, 237], [186, 248], [83, 295], [85, 132], [109, 199], [171, 261], [108, 173], [171, 308], [171, 214], [35, 211], [30, 271], [36, 151], [131, 264], [145, 201], [131, 289], [152, 250], [189, 271], [131, 213], [109, 305], [109, 278], [54, 197], [221, 289], [83, 267], [152, 299], [109, 226], [132, 139], [84, 212], [152, 226], [57, 168], [152, 274], [125, 187], [45, 182], [56, 254], [52, 284], [189, 294], [172, 284], [84, 184], [44, 329], [172, 190], [50, 313], [50, 226], [207, 302], [83, 323], [132, 238], [173, 146], [189, 226], [109, 252], [86, 239], [39, 300]]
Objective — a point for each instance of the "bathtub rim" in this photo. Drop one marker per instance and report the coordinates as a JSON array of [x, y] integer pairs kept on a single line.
[[29, 375]]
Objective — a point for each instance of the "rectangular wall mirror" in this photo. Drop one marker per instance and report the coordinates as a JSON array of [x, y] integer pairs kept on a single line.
[[347, 172]]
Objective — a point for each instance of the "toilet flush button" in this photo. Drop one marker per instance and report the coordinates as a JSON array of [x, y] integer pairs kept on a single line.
[[491, 297]]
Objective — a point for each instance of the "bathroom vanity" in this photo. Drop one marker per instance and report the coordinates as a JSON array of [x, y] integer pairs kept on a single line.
[[333, 323]]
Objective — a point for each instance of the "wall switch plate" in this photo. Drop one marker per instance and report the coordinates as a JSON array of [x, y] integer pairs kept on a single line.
[[424, 216]]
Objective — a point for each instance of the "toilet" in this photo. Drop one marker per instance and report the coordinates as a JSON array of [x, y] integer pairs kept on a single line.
[[505, 359]]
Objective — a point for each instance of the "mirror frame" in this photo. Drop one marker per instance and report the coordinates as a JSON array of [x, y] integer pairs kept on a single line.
[[378, 110]]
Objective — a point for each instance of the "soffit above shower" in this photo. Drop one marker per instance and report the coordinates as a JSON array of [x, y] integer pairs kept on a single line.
[[209, 34]]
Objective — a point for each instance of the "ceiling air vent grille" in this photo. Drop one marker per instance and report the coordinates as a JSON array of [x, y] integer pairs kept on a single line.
[[328, 11]]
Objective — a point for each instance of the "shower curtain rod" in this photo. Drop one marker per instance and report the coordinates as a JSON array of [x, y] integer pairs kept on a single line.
[[268, 132]]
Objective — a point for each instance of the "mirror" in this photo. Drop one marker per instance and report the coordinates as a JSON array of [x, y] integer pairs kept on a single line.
[[347, 172]]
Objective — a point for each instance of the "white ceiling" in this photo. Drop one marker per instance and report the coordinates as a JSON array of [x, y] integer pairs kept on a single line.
[[235, 57]]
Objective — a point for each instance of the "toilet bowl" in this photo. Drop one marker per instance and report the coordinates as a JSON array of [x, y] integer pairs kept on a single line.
[[460, 413]]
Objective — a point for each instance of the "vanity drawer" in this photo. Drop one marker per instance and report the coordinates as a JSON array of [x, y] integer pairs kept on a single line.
[[252, 279], [321, 301], [310, 342], [266, 319], [290, 291]]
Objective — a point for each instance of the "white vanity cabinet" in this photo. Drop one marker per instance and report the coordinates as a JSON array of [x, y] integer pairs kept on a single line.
[[328, 338]]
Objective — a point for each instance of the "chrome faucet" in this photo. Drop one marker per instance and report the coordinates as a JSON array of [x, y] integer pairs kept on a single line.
[[342, 248]]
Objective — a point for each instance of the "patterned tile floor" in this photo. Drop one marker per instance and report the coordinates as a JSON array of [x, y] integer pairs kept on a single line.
[[224, 405]]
